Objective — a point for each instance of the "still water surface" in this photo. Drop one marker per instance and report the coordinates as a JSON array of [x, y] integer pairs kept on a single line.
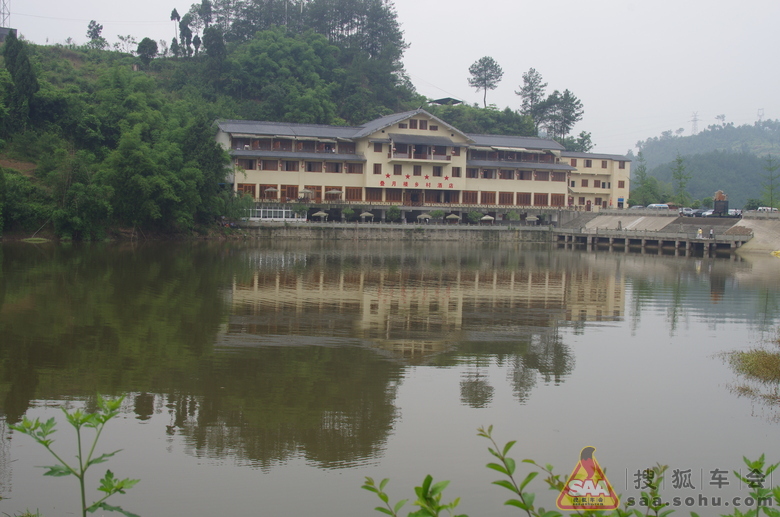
[[270, 379]]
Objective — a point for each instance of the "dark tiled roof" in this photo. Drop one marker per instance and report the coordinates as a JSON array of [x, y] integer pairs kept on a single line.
[[526, 142], [594, 156], [531, 166], [254, 127]]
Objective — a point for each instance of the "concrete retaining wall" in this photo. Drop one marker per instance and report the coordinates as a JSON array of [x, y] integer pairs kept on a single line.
[[391, 232]]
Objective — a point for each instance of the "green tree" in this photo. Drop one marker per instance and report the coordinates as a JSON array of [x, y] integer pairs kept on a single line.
[[581, 144], [533, 94], [485, 75], [437, 214], [771, 181], [393, 214], [24, 78], [94, 31], [175, 18], [147, 50], [475, 217], [680, 180]]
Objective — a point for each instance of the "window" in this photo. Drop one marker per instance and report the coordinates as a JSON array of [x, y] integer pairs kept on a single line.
[[621, 165], [598, 201], [505, 198], [270, 165], [402, 125], [525, 175], [354, 168], [456, 151], [332, 167], [541, 199], [246, 188], [418, 170], [584, 183], [524, 198], [313, 166], [597, 183], [434, 128], [603, 164], [557, 199], [456, 172], [245, 164], [472, 173], [412, 124], [581, 200], [489, 174], [373, 194], [574, 162], [346, 147], [423, 124], [559, 176], [542, 176], [573, 183], [354, 193], [588, 164], [437, 170], [291, 166], [621, 184], [506, 174], [377, 147], [470, 197], [393, 194], [377, 168], [488, 198], [398, 169]]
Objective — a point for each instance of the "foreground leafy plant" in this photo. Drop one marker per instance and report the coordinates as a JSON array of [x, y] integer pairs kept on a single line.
[[429, 496], [110, 485]]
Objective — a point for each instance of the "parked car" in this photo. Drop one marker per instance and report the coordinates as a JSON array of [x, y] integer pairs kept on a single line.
[[767, 209], [687, 212], [658, 206], [635, 207], [698, 212], [707, 213]]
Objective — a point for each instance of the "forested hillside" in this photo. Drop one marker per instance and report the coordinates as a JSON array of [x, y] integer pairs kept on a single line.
[[96, 137], [722, 157]]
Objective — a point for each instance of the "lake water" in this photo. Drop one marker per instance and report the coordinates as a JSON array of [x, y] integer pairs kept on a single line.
[[271, 378]]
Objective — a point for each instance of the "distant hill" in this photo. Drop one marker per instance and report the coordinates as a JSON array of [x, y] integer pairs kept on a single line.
[[729, 158]]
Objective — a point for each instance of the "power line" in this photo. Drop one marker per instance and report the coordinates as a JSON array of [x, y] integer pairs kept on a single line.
[[695, 125]]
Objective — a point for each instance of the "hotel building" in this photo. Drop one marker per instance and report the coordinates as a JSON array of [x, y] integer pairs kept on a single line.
[[418, 162]]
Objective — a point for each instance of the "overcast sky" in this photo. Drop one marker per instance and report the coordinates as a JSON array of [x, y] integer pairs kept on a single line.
[[639, 67]]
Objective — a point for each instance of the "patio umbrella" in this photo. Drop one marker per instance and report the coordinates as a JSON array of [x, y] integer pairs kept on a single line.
[[271, 189], [532, 218], [334, 191], [320, 214], [453, 216], [487, 218], [366, 214], [305, 191], [425, 215]]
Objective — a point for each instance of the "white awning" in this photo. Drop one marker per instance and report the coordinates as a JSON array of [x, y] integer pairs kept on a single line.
[[511, 149]]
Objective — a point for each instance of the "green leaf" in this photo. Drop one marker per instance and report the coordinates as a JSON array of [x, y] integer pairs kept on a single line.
[[57, 471], [498, 468], [102, 458], [399, 505], [383, 510], [506, 484], [510, 465], [519, 504], [108, 507], [383, 497], [528, 479], [508, 446], [439, 487], [383, 483], [427, 484]]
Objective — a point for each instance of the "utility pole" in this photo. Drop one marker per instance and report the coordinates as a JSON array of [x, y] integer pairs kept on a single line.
[[5, 13], [695, 123]]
